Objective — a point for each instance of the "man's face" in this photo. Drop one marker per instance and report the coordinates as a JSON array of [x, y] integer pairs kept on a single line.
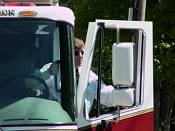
[[78, 56]]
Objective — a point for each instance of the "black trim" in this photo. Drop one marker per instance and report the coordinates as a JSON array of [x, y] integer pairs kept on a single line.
[[67, 69], [100, 57]]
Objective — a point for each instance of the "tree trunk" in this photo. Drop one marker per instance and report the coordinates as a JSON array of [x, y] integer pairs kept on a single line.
[[157, 87], [166, 106]]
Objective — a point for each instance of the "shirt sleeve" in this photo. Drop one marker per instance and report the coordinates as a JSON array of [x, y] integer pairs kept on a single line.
[[91, 92]]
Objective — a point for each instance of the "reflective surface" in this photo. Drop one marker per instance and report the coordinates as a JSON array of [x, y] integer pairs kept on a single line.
[[30, 80]]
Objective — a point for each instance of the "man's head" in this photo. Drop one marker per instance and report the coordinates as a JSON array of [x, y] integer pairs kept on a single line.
[[79, 51]]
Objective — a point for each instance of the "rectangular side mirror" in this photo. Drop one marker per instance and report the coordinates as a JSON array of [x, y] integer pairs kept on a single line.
[[123, 97], [123, 63]]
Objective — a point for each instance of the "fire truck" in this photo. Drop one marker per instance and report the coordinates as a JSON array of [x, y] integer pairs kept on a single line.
[[38, 89]]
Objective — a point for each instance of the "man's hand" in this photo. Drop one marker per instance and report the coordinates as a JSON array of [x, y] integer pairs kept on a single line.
[[54, 68]]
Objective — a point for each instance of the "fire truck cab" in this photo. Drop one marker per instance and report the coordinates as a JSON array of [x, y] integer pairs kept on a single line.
[[38, 89]]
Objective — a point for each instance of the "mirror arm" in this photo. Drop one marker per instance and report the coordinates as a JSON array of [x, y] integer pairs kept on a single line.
[[101, 28]]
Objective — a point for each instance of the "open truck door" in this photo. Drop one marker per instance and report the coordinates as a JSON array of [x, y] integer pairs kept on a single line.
[[132, 68]]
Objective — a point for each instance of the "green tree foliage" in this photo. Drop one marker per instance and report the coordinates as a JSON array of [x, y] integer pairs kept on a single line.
[[90, 10], [162, 13]]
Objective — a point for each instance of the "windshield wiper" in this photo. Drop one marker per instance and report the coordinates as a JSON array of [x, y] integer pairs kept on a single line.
[[23, 119]]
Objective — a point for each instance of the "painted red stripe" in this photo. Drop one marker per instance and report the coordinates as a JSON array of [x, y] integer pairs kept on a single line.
[[144, 122]]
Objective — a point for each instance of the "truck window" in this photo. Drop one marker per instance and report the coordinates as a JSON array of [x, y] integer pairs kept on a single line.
[[31, 68], [106, 106]]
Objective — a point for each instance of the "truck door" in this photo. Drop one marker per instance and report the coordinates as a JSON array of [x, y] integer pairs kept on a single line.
[[116, 82]]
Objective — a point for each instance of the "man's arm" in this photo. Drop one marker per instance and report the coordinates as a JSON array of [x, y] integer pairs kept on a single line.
[[110, 96]]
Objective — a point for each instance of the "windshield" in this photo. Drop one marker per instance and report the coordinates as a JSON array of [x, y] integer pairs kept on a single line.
[[30, 74]]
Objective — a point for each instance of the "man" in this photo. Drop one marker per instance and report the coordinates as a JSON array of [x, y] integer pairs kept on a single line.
[[109, 95]]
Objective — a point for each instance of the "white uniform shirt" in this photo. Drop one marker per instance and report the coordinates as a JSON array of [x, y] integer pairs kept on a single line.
[[91, 93]]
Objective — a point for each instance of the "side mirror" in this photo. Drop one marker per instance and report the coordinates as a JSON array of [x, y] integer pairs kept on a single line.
[[123, 97], [123, 63], [123, 73]]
